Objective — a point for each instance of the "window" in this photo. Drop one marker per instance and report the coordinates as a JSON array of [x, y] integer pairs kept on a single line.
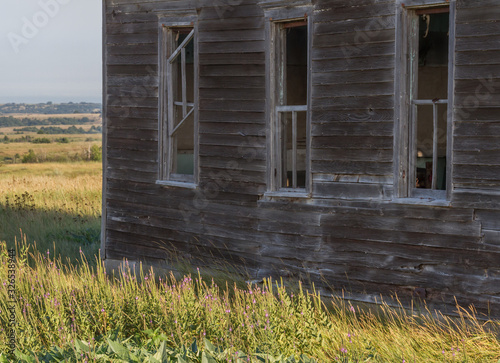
[[178, 160], [289, 113], [428, 90]]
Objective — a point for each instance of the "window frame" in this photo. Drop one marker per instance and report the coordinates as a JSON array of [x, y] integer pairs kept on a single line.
[[274, 19], [404, 150], [166, 129]]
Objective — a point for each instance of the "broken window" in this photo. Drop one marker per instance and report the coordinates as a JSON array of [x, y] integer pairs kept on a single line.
[[290, 118], [428, 83], [179, 156]]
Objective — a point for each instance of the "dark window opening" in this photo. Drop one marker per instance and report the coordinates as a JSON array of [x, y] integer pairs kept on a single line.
[[429, 99], [182, 103], [292, 107]]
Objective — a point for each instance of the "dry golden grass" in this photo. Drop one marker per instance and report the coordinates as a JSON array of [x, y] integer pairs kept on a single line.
[[10, 130], [54, 185], [77, 145], [55, 204], [40, 116]]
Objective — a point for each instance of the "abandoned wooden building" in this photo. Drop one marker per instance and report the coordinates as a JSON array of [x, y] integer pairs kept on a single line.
[[355, 144]]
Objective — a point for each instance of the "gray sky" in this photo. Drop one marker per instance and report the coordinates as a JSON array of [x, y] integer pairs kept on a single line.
[[50, 50]]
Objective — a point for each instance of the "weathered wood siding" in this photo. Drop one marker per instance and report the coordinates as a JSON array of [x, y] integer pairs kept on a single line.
[[353, 99], [477, 117], [351, 233]]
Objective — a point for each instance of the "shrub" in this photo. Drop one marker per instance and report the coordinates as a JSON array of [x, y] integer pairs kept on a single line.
[[30, 157], [95, 153], [42, 140]]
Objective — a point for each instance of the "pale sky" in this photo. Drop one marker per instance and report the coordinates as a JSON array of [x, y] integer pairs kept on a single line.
[[50, 50]]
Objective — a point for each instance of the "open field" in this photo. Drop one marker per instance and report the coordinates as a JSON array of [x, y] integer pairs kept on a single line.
[[9, 131], [58, 205], [75, 147], [78, 145], [94, 117]]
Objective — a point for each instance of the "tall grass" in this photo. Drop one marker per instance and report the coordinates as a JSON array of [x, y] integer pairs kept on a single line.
[[58, 306], [56, 205], [77, 149]]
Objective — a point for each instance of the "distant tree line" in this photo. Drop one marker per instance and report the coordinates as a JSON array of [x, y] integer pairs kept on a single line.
[[50, 108], [54, 130], [36, 140], [9, 121]]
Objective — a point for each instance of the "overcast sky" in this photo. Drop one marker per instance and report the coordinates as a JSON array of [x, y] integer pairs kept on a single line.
[[50, 50]]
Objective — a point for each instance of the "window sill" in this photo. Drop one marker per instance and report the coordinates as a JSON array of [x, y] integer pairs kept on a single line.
[[177, 184], [287, 194], [423, 201]]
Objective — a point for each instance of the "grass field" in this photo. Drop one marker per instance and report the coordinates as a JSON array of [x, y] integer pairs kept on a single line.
[[10, 131], [85, 314], [56, 205], [40, 116], [77, 147]]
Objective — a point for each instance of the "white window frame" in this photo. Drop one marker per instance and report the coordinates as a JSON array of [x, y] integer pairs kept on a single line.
[[274, 18], [167, 131], [405, 147]]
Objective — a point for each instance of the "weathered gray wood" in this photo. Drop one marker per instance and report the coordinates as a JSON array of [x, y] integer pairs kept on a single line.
[[358, 25], [478, 15], [384, 75], [331, 128], [355, 12], [354, 90], [355, 228], [386, 101], [339, 154], [351, 167], [353, 142], [361, 64], [477, 157], [353, 39], [232, 82], [232, 105], [472, 143], [348, 52]]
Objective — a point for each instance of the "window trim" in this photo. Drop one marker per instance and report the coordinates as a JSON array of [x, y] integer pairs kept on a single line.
[[165, 149], [402, 144], [274, 18]]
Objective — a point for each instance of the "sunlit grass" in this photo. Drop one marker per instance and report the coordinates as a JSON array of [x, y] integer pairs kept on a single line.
[[94, 117], [58, 205], [78, 146], [58, 305]]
